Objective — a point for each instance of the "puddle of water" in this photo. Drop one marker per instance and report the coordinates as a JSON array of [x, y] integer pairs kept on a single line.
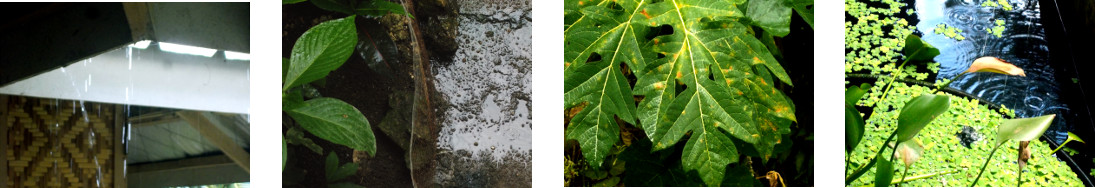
[[1022, 44], [486, 128]]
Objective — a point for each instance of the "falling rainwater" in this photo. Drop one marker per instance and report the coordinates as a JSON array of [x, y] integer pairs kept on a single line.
[[487, 126], [1023, 44]]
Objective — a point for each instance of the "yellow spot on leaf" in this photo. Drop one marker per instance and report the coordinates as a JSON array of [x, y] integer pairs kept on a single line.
[[756, 136], [716, 124], [679, 75], [580, 3], [757, 60], [659, 86]]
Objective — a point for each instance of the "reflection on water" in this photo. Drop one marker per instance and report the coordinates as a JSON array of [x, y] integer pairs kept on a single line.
[[1022, 43], [486, 129]]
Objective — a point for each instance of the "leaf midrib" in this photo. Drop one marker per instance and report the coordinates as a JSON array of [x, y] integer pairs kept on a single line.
[[313, 60]]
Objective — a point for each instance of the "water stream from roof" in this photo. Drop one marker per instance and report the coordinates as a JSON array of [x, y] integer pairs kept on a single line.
[[1022, 43], [486, 129]]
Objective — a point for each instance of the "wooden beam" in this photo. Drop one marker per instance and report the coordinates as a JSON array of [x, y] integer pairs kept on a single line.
[[214, 135], [59, 35], [182, 164], [219, 169]]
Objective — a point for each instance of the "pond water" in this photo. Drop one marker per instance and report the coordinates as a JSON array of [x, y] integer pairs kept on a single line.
[[1022, 43], [486, 127]]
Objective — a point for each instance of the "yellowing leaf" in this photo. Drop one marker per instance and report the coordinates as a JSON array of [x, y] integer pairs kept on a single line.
[[995, 65]]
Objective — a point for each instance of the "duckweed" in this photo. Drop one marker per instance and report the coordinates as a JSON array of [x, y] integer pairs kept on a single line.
[[942, 151], [949, 32]]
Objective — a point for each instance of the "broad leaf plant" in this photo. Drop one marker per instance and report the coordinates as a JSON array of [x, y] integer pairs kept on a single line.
[[320, 50], [700, 71]]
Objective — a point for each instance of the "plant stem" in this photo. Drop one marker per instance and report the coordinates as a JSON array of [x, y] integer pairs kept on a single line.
[[986, 164], [948, 83], [1019, 179], [917, 177], [863, 169], [1060, 146], [894, 77], [903, 174]]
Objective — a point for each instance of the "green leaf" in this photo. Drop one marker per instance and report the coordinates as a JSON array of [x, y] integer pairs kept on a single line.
[[376, 8], [918, 50], [805, 9], [708, 78], [1071, 137], [773, 16], [853, 127], [320, 50], [336, 172], [291, 99], [344, 185], [284, 153], [296, 137], [336, 121], [610, 182], [331, 165], [341, 6], [284, 66], [286, 2], [918, 113], [883, 173], [1025, 129], [598, 85], [854, 93]]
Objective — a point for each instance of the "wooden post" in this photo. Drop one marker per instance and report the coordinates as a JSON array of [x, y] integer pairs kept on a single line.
[[4, 140], [120, 121]]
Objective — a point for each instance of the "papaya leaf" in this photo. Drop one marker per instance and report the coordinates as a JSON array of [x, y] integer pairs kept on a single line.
[[700, 72], [1024, 129], [805, 9], [286, 2], [918, 113], [598, 83], [774, 16], [918, 50], [320, 50], [336, 121], [883, 173]]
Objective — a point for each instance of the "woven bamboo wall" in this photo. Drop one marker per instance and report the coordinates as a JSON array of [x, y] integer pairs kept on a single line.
[[59, 143]]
